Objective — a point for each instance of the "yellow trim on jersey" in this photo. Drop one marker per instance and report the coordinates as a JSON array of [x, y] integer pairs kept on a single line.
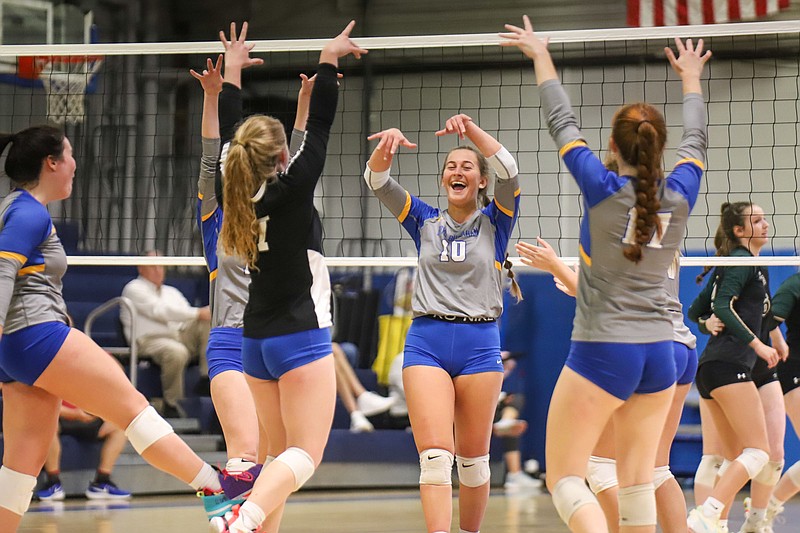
[[517, 192], [199, 196], [206, 217], [406, 208], [585, 256], [507, 212], [570, 145], [30, 270], [498, 266], [691, 160], [11, 255], [212, 275]]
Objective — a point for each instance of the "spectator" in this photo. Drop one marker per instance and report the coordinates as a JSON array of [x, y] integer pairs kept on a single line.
[[168, 330], [83, 426], [358, 401]]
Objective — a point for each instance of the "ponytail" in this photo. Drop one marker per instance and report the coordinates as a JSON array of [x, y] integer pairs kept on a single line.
[[725, 240], [29, 148], [515, 291], [640, 133]]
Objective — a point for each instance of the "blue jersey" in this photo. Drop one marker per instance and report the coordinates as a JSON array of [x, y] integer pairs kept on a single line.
[[619, 300], [32, 263]]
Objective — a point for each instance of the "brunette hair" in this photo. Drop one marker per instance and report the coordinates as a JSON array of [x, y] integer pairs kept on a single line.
[[725, 240], [29, 148]]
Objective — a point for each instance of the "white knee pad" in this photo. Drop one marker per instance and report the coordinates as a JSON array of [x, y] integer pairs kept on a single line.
[[661, 475], [601, 474], [146, 429], [753, 460], [569, 495], [473, 471], [710, 466], [637, 505], [16, 490], [794, 473], [723, 468], [435, 467], [300, 463], [770, 474]]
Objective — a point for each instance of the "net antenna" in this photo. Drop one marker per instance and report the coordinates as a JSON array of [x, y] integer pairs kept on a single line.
[[65, 79]]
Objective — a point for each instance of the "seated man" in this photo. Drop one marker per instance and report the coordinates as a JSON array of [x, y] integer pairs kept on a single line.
[[168, 330], [80, 424]]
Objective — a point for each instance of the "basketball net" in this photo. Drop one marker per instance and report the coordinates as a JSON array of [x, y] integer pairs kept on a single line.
[[65, 79]]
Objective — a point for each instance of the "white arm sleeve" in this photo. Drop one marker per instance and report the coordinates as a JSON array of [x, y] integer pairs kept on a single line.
[[504, 164], [375, 180]]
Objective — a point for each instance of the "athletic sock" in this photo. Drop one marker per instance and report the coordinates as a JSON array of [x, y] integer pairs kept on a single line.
[[207, 478]]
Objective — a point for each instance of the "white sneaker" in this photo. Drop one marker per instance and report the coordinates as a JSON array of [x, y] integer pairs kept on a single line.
[[698, 522], [359, 423], [371, 404], [521, 481]]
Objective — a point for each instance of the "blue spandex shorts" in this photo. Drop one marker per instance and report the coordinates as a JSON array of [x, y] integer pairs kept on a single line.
[[685, 363], [224, 351], [624, 369], [25, 353], [456, 348], [272, 357]]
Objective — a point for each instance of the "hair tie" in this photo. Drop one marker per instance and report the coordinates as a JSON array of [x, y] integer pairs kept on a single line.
[[645, 121], [242, 144]]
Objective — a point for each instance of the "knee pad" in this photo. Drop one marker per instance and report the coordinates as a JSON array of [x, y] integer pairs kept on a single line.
[[300, 463], [569, 495], [601, 473], [753, 460], [770, 474], [661, 475], [637, 505], [146, 429], [723, 468], [435, 467], [16, 490], [473, 471], [794, 473], [708, 469]]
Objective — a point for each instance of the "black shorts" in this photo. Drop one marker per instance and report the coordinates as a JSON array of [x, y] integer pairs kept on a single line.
[[789, 374], [81, 430], [715, 374], [762, 374]]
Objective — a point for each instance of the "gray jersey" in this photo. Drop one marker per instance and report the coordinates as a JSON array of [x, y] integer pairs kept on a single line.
[[681, 331], [619, 300], [460, 264], [32, 263]]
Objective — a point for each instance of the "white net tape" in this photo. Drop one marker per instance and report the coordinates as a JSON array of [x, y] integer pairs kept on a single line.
[[65, 85]]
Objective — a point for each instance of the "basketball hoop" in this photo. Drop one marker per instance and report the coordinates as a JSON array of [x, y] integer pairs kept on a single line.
[[65, 79]]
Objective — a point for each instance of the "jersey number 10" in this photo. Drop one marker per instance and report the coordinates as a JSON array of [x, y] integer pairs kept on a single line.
[[456, 250]]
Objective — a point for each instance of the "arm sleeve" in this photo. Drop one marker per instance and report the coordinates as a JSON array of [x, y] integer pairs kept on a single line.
[[506, 188], [175, 308], [206, 190], [701, 306], [730, 287], [306, 166], [296, 141], [230, 114], [688, 172], [786, 298], [22, 232], [409, 210]]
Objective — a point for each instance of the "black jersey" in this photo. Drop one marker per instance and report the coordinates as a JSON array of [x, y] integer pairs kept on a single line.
[[785, 307], [740, 298], [290, 288]]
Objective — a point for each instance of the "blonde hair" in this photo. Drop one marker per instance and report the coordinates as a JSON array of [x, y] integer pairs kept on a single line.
[[253, 158]]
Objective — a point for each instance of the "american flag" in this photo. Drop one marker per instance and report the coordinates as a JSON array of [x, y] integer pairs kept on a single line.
[[675, 12]]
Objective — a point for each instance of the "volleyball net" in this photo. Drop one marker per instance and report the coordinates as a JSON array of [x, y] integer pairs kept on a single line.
[[137, 136]]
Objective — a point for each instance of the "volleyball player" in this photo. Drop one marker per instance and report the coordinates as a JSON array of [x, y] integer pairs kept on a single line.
[[269, 223], [785, 309], [601, 474], [725, 380], [621, 362], [452, 369], [229, 277], [42, 359]]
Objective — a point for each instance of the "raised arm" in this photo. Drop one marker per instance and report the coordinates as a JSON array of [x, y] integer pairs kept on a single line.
[[211, 81], [237, 55], [529, 44], [544, 258], [689, 66]]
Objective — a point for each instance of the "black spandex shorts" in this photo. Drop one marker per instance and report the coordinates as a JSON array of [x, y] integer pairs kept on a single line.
[[715, 374], [789, 374], [762, 374]]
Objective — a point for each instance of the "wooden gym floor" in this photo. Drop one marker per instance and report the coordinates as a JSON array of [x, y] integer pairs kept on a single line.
[[317, 511]]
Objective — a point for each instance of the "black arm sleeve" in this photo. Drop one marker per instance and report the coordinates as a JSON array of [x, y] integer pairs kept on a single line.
[[230, 114]]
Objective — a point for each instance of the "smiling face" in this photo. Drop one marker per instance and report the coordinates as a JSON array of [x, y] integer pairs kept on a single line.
[[754, 232], [463, 176]]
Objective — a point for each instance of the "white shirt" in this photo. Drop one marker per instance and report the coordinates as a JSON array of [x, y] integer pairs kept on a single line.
[[160, 311]]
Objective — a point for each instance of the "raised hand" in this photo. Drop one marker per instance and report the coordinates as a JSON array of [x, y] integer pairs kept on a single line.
[[542, 256], [340, 46], [390, 141], [237, 51], [211, 78], [690, 60], [456, 124], [525, 39]]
